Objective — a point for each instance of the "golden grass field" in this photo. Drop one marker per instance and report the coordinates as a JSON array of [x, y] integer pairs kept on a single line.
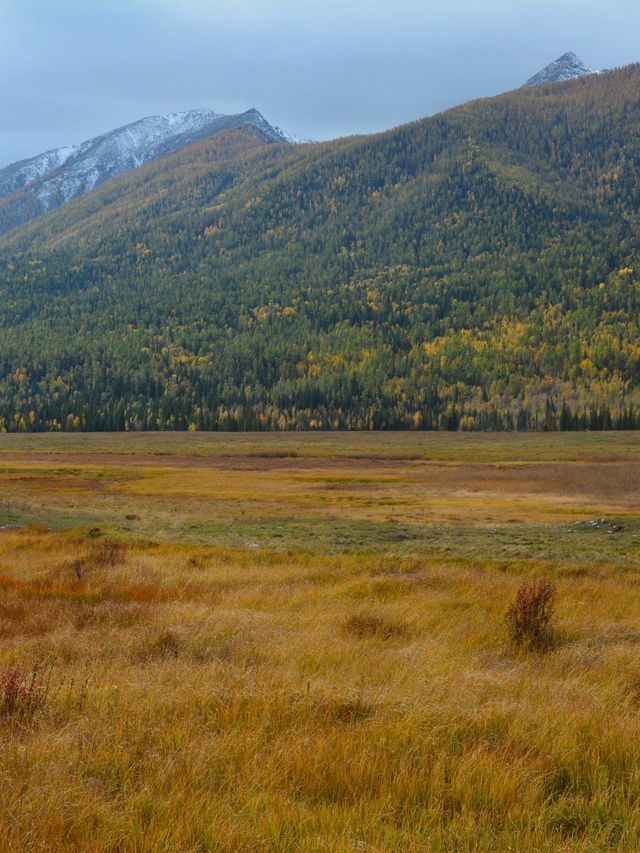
[[297, 642]]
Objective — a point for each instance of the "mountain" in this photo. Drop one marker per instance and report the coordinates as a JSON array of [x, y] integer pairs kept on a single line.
[[479, 269], [32, 187], [567, 67]]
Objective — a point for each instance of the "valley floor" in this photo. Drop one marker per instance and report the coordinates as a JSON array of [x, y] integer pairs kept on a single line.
[[298, 642]]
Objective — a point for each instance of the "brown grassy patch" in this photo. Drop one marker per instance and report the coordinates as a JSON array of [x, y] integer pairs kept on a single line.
[[98, 554], [350, 710], [373, 626], [165, 645]]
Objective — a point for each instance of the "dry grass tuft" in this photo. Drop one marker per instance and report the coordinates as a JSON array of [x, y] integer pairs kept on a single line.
[[165, 645], [100, 554], [23, 693], [348, 710], [367, 625]]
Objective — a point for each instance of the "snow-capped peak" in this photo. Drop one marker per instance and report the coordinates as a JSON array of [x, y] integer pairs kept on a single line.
[[567, 67], [58, 176]]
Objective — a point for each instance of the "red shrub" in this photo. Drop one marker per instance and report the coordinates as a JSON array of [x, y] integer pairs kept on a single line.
[[529, 617], [23, 693]]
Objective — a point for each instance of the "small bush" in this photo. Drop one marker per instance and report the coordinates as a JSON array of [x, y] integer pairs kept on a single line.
[[23, 693], [529, 617], [102, 554]]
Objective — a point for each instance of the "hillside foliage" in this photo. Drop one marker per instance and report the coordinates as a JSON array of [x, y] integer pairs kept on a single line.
[[476, 270]]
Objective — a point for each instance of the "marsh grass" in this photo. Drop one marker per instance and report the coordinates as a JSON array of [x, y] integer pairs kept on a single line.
[[233, 720], [212, 697]]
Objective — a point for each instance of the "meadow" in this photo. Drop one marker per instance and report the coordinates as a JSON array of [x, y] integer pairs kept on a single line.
[[298, 642]]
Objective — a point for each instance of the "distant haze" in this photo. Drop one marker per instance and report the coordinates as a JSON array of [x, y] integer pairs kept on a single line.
[[318, 68]]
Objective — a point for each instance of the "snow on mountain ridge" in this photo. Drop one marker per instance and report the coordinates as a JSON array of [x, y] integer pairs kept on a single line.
[[29, 171], [566, 67], [62, 174]]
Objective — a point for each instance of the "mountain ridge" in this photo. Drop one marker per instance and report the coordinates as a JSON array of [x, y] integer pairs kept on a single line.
[[32, 187], [49, 180]]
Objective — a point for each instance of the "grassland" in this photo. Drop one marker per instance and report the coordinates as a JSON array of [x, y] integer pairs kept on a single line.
[[297, 642]]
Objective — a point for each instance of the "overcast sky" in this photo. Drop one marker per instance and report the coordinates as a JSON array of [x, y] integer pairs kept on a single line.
[[319, 68]]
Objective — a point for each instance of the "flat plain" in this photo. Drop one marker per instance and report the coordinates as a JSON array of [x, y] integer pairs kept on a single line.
[[297, 642]]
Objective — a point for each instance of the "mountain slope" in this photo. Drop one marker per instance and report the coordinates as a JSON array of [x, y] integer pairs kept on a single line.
[[42, 183], [475, 269], [567, 67]]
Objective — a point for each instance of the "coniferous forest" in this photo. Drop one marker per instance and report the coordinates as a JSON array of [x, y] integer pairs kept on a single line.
[[478, 270]]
